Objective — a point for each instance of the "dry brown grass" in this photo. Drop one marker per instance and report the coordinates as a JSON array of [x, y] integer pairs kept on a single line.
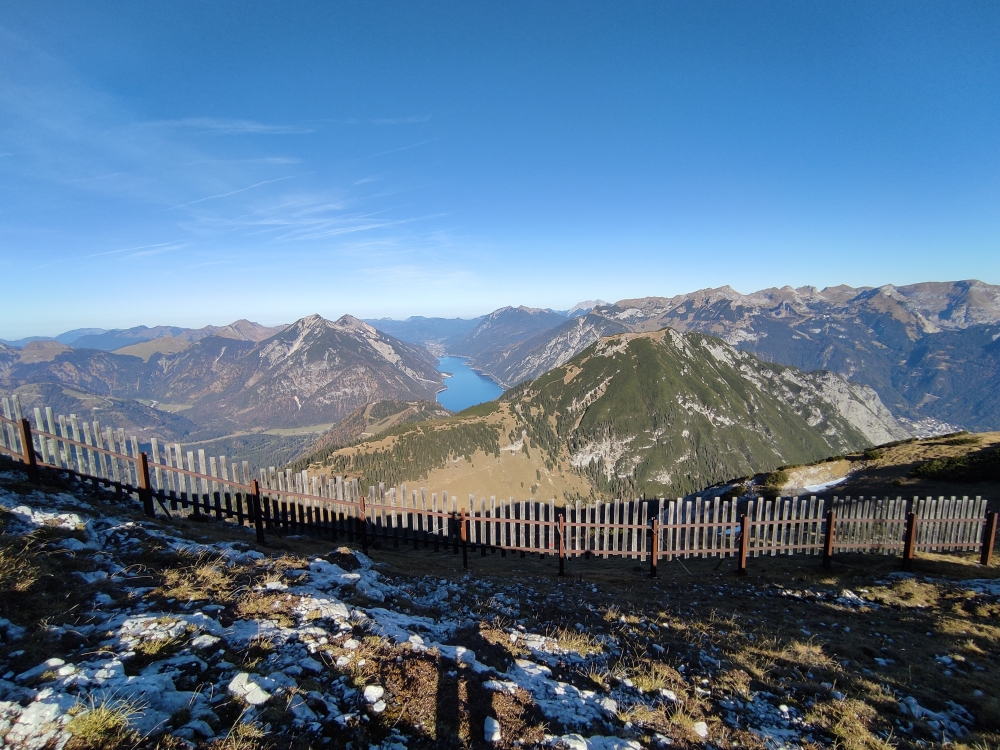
[[571, 639], [243, 736], [207, 578], [908, 592], [257, 650], [18, 570], [153, 649], [852, 723], [651, 676], [807, 654], [264, 605], [104, 726]]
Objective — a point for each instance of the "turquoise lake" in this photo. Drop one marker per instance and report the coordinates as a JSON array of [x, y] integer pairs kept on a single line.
[[465, 387]]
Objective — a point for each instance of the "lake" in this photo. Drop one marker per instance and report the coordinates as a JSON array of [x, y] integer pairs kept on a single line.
[[465, 387]]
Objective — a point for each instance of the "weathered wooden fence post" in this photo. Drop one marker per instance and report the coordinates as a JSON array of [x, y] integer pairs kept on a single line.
[[831, 520], [145, 488], [989, 538], [258, 516], [910, 543], [744, 544], [562, 544], [28, 451], [363, 522], [465, 540], [655, 556]]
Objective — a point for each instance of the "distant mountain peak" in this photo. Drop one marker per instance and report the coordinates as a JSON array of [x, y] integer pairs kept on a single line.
[[532, 310], [585, 306], [355, 325], [313, 321]]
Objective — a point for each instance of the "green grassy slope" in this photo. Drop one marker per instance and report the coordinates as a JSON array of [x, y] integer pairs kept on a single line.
[[638, 414]]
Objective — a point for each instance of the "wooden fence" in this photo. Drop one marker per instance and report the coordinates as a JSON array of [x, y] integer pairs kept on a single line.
[[188, 483]]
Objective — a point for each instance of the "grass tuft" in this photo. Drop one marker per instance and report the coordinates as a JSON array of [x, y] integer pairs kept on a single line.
[[104, 725], [208, 578], [570, 639]]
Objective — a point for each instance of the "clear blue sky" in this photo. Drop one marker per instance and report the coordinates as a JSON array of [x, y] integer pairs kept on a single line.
[[197, 162]]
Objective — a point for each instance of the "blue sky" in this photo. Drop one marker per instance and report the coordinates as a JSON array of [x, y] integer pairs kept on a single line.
[[193, 163]]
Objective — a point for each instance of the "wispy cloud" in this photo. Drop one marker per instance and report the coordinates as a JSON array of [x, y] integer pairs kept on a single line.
[[304, 217], [228, 126], [259, 160], [138, 251], [233, 192], [141, 250], [400, 120], [409, 120], [401, 148]]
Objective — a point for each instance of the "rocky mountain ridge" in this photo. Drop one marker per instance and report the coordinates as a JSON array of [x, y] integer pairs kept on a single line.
[[112, 340], [639, 414], [929, 350], [500, 330], [311, 372]]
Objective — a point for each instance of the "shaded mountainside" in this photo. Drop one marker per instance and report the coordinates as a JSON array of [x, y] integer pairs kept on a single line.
[[424, 331], [659, 413], [548, 349], [929, 350], [313, 372], [63, 338], [133, 416], [372, 419], [500, 330], [243, 330]]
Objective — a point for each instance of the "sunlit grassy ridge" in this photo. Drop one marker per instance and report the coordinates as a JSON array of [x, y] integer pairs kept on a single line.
[[636, 414]]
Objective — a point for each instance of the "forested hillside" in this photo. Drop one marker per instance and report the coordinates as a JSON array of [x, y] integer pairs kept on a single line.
[[640, 414]]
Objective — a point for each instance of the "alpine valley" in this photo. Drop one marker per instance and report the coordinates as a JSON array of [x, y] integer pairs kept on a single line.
[[638, 413], [265, 399], [649, 395], [931, 351]]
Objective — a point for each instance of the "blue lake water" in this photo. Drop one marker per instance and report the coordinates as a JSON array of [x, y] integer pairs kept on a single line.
[[465, 387]]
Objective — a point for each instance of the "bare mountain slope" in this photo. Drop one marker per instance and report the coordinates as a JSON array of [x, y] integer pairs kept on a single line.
[[243, 330], [500, 330], [659, 413], [313, 372], [425, 331], [548, 349], [929, 350]]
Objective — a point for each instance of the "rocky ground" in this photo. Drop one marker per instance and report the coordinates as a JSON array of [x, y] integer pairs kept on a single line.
[[121, 631]]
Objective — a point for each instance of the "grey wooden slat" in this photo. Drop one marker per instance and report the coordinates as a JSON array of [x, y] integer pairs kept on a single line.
[[78, 453], [91, 455], [109, 439], [180, 479], [760, 531], [50, 427], [5, 433], [74, 434], [103, 465], [43, 453]]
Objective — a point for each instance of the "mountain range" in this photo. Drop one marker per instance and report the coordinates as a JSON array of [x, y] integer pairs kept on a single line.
[[931, 351], [113, 340], [660, 413], [311, 372]]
